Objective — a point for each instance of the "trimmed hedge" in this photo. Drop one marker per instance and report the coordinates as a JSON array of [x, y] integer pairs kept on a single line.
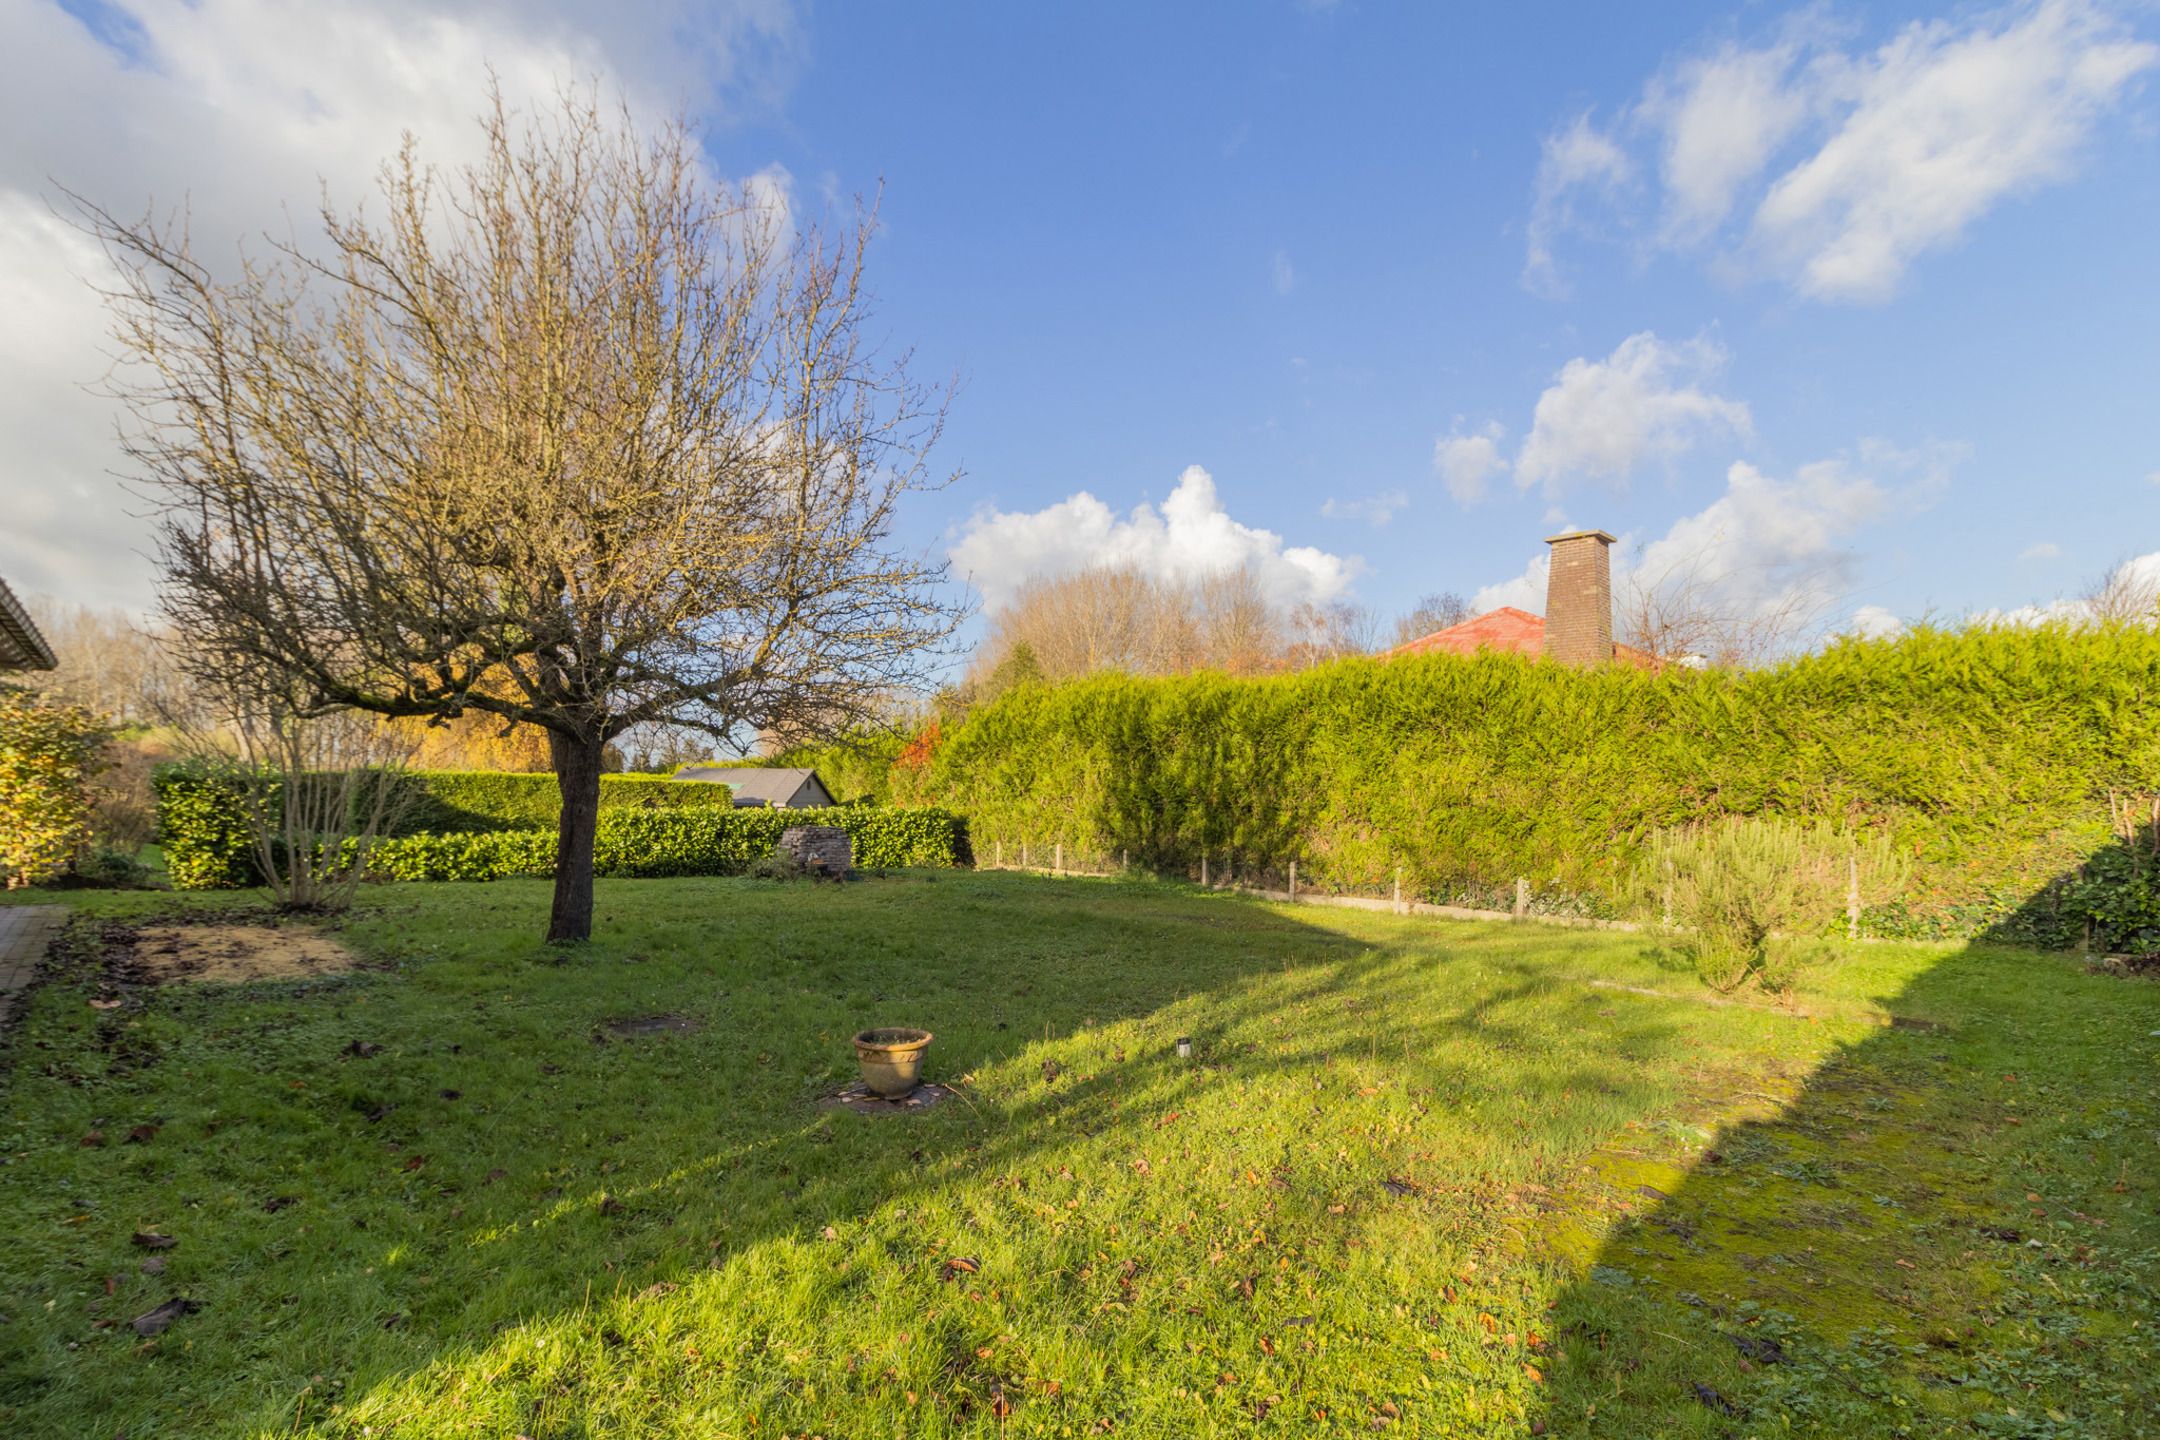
[[683, 832], [657, 844], [437, 802], [1986, 754]]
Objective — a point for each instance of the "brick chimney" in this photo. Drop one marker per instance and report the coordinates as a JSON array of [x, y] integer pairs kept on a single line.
[[1578, 598]]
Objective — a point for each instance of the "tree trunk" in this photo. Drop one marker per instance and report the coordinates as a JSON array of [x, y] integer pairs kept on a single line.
[[577, 774]]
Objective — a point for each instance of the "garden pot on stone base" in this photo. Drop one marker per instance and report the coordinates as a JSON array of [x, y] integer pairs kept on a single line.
[[892, 1059]]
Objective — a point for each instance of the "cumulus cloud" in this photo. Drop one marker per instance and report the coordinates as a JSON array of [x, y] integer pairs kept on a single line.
[[1604, 419], [1468, 463], [1190, 538], [245, 111], [1374, 510], [1765, 547], [1834, 170]]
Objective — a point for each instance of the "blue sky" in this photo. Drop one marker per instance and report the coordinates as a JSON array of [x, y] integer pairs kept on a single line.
[[1855, 298]]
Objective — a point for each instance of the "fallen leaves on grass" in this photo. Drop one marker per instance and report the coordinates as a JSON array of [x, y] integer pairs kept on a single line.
[[141, 1135], [1709, 1397], [151, 1240], [153, 1322], [93, 1140], [362, 1050]]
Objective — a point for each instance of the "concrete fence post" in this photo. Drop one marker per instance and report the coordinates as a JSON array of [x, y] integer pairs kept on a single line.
[[1293, 879], [1203, 870], [1057, 859], [1398, 889], [998, 848], [1522, 897]]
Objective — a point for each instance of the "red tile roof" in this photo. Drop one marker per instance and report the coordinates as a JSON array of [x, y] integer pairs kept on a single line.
[[1509, 631]]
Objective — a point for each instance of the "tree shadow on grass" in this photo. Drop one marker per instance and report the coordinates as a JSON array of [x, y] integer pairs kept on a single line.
[[1949, 1230]]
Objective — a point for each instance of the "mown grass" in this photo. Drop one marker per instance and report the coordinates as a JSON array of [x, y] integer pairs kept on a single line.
[[1422, 1178]]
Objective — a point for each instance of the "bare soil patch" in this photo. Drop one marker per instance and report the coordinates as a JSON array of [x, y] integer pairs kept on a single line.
[[234, 954], [859, 1098]]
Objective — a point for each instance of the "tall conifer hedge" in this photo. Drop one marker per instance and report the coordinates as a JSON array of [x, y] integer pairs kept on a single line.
[[1986, 754]]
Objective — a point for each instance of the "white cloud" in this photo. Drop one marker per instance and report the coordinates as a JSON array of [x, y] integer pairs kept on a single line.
[[244, 111], [1467, 463], [1190, 538], [1764, 547], [1280, 273], [1578, 158], [2045, 550], [1604, 419], [1720, 118], [1850, 165], [1374, 510], [1875, 622], [1941, 125]]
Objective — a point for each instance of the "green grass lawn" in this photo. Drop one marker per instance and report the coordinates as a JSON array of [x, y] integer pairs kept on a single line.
[[1421, 1178]]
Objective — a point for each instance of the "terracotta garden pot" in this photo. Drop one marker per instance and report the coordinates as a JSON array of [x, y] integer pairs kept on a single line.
[[892, 1059]]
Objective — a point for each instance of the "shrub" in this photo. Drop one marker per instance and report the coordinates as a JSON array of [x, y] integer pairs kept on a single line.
[[1755, 896], [108, 867], [48, 753], [202, 823]]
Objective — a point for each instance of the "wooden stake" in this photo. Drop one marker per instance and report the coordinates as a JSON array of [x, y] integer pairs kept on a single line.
[[999, 863], [1522, 897], [1293, 879], [1203, 869], [1852, 897], [1398, 889], [1057, 859]]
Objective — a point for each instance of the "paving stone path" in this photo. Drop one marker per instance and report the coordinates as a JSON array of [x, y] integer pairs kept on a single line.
[[25, 930]]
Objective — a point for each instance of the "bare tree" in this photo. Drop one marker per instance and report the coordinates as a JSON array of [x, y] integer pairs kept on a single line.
[[111, 664], [1693, 609], [1320, 633], [1433, 612], [573, 437], [2128, 594], [316, 791]]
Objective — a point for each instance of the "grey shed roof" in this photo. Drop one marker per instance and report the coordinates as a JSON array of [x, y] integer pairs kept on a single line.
[[761, 784], [21, 647]]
